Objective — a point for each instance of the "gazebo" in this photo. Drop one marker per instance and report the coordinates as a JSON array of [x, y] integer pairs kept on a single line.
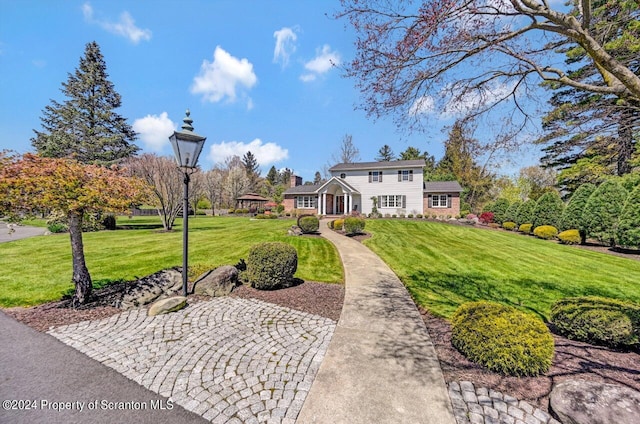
[[251, 201]]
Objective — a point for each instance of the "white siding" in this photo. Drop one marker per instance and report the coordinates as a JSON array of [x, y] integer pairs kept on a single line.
[[359, 179]]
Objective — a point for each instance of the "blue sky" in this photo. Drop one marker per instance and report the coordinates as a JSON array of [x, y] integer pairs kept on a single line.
[[256, 75]]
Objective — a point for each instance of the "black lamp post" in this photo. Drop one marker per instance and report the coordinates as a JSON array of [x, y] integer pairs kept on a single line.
[[187, 146]]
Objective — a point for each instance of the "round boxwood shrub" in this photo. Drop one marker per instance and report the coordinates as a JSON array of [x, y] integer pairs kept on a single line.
[[338, 224], [354, 225], [509, 225], [525, 228], [546, 232], [570, 237], [271, 265], [502, 338], [308, 223], [598, 320]]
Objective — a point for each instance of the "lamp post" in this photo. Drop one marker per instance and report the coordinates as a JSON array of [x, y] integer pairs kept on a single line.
[[187, 146]]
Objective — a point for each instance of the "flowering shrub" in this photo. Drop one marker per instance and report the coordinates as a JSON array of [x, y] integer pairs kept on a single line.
[[486, 217]]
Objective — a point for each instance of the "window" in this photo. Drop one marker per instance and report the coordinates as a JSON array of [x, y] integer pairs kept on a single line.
[[439, 201], [391, 201], [343, 175], [405, 175], [306, 202], [375, 176]]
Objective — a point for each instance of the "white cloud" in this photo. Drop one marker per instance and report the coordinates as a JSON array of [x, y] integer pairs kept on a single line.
[[463, 103], [285, 45], [220, 78], [125, 27], [422, 106], [154, 130], [265, 153], [323, 62]]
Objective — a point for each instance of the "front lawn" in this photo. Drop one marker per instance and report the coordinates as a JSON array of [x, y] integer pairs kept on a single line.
[[38, 270], [444, 266]]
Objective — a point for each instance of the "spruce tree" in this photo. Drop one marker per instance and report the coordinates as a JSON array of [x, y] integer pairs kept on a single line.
[[272, 176], [499, 210], [525, 212], [548, 210], [572, 216], [385, 154], [602, 211], [85, 126], [628, 231], [252, 169], [512, 213]]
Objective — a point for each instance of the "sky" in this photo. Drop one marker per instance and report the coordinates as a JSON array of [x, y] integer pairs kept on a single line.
[[259, 76]]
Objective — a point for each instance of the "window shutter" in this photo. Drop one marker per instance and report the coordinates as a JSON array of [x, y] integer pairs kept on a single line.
[[379, 201], [380, 180], [410, 175], [399, 176], [370, 176], [448, 200], [430, 201], [404, 202]]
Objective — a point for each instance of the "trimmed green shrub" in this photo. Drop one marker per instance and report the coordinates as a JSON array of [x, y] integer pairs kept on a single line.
[[628, 231], [570, 237], [525, 212], [354, 225], [308, 223], [546, 232], [511, 215], [509, 225], [502, 338], [525, 228], [271, 265], [602, 211], [266, 216], [109, 222], [548, 210], [572, 216], [499, 210], [338, 224], [598, 320], [330, 224]]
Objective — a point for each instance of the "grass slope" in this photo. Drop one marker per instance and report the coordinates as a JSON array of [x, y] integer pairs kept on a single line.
[[444, 266], [38, 270]]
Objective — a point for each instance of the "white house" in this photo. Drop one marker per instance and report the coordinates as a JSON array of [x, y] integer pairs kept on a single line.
[[397, 187]]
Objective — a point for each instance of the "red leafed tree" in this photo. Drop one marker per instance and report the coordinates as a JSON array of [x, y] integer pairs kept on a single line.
[[467, 56], [31, 183]]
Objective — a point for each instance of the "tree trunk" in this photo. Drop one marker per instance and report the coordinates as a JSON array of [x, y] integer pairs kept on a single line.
[[81, 277]]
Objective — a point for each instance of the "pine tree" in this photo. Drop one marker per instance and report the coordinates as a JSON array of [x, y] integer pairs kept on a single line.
[[385, 154], [572, 215], [86, 126], [512, 213], [525, 212], [317, 178], [548, 210], [251, 168], [500, 210], [628, 231], [272, 176], [602, 211]]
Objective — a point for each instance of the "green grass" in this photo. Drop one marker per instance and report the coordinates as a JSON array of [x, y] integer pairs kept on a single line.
[[444, 266], [38, 270]]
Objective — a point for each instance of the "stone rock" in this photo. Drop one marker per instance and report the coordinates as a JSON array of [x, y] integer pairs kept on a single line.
[[587, 402], [218, 282], [148, 289], [294, 231], [164, 306]]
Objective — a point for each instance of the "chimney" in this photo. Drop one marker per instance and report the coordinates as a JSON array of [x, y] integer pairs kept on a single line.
[[295, 181]]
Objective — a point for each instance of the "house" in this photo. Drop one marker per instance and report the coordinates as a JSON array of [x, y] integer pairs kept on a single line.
[[397, 187]]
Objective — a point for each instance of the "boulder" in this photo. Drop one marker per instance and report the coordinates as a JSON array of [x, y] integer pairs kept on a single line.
[[587, 402], [148, 289], [164, 306], [218, 282]]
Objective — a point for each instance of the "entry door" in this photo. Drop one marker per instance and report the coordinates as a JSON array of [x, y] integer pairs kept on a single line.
[[339, 205]]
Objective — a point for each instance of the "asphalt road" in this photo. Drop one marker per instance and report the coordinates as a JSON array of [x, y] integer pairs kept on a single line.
[[19, 232]]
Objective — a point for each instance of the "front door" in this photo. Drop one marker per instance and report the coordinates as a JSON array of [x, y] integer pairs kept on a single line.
[[339, 205]]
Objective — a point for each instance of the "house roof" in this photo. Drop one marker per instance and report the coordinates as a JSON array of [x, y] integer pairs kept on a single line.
[[378, 165], [252, 196], [338, 181], [442, 187], [303, 189]]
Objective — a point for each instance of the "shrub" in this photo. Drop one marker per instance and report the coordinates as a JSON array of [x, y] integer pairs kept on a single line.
[[338, 224], [572, 216], [598, 320], [502, 338], [602, 211], [570, 237], [525, 228], [109, 222], [57, 227], [354, 225], [500, 210], [308, 223], [280, 208], [231, 211], [548, 210], [330, 224], [628, 231], [511, 215], [525, 212], [266, 216], [419, 216], [493, 225], [410, 215], [509, 225], [271, 265], [546, 232], [486, 217], [465, 212]]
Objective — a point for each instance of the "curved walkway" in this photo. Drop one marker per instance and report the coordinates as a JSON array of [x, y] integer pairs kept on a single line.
[[381, 366]]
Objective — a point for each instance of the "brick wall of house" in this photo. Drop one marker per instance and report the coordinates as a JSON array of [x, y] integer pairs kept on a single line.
[[454, 210], [289, 203]]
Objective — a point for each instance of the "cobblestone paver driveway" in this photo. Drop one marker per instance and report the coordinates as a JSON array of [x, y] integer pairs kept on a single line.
[[230, 360]]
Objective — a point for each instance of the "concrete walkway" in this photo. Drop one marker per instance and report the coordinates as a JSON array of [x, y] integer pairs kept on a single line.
[[381, 366], [19, 232]]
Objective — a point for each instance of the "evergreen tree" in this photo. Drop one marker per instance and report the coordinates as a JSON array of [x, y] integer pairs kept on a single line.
[[317, 178], [86, 126], [412, 153], [272, 176], [499, 210], [512, 213], [548, 210], [385, 154], [602, 211], [628, 231], [525, 212], [251, 168], [572, 215]]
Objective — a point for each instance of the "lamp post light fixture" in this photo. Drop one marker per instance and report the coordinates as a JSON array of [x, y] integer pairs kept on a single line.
[[187, 146]]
